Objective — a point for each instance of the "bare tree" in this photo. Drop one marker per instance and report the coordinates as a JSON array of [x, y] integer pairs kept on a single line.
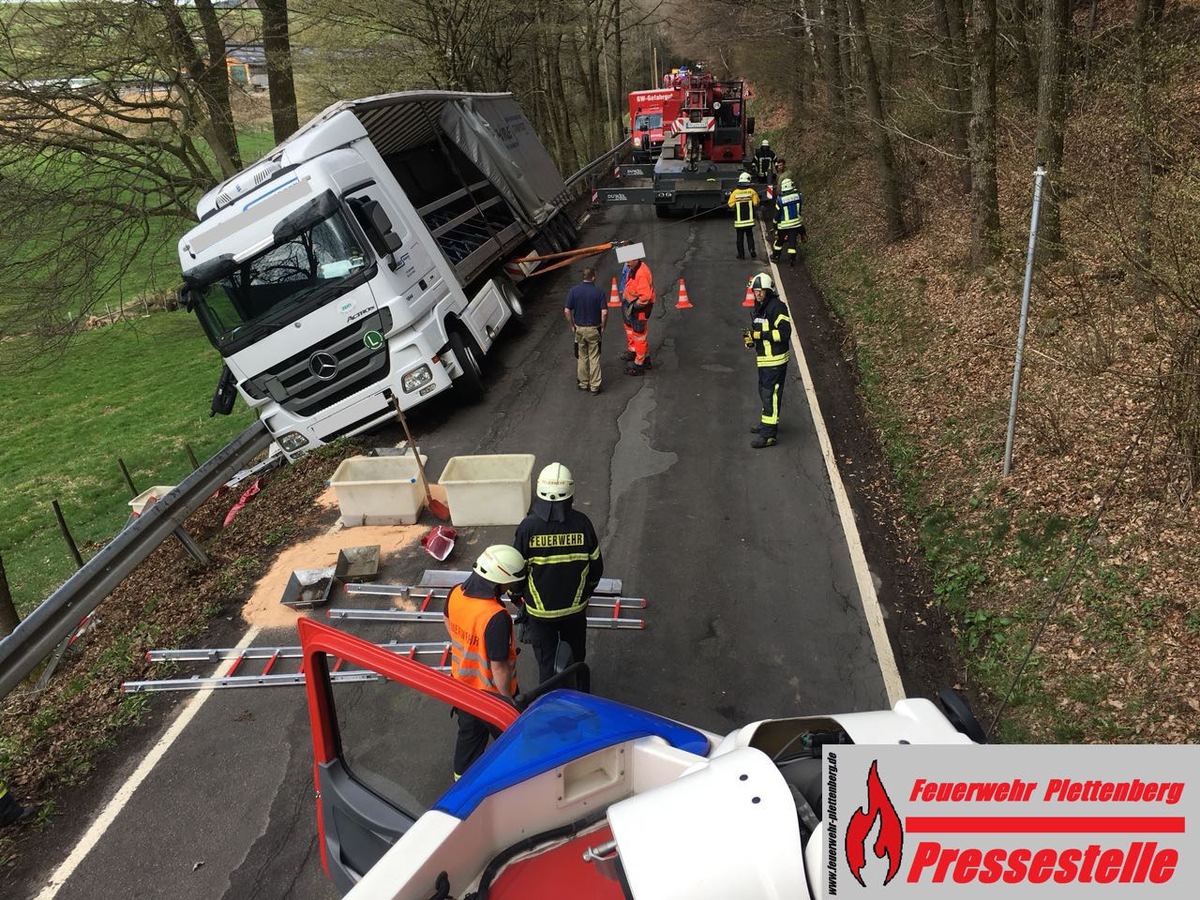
[[1052, 115], [952, 27], [114, 121], [278, 49], [985, 203], [889, 180]]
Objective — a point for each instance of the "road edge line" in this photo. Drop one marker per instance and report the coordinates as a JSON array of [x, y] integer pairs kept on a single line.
[[126, 791], [872, 609]]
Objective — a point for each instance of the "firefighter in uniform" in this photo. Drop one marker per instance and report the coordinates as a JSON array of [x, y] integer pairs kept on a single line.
[[637, 301], [12, 812], [483, 652], [769, 336], [743, 201], [789, 226], [764, 163], [564, 567]]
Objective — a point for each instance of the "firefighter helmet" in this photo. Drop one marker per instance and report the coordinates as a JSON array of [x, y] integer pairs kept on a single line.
[[500, 564], [762, 282], [555, 482], [766, 143], [744, 178], [787, 185]]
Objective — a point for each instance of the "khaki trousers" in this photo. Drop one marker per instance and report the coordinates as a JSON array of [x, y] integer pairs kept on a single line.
[[587, 367]]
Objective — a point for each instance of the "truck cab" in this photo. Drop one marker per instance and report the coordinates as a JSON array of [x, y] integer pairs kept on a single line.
[[360, 264], [650, 116]]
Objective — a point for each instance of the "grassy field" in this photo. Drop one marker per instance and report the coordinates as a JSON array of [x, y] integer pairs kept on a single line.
[[139, 391]]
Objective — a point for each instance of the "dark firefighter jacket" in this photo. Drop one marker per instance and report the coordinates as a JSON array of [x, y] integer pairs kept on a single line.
[[565, 565], [772, 331]]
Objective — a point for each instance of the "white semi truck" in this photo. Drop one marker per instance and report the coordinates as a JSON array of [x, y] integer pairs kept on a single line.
[[362, 261]]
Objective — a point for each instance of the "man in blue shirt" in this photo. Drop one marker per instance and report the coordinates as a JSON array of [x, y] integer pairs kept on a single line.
[[587, 314]]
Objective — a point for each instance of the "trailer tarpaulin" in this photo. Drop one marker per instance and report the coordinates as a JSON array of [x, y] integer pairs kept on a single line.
[[497, 137]]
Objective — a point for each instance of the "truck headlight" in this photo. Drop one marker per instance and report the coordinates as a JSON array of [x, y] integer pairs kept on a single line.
[[637, 142], [416, 379], [291, 442]]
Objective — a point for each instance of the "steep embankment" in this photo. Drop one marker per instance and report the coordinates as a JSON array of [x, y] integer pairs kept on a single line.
[[1090, 545]]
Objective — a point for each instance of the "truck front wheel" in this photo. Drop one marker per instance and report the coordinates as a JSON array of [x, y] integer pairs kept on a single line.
[[468, 385]]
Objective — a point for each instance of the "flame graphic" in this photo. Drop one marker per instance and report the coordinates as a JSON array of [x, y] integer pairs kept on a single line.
[[890, 842]]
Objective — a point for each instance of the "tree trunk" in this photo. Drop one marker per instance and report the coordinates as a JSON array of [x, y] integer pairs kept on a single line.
[[281, 83], [885, 159], [985, 204], [845, 49], [1052, 117], [9, 620], [950, 23], [1143, 25], [830, 57], [619, 53], [211, 79], [1024, 50]]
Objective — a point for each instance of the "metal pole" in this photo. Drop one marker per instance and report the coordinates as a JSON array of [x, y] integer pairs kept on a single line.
[[1016, 382]]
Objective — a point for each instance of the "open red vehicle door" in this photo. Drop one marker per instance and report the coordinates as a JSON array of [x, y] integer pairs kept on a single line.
[[361, 813]]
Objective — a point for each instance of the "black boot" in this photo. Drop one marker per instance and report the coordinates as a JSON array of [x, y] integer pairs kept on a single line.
[[627, 356], [763, 440], [635, 369]]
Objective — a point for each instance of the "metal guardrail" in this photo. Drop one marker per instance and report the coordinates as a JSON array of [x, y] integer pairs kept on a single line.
[[60, 613], [603, 160]]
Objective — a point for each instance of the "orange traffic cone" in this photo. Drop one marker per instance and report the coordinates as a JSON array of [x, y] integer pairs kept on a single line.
[[749, 300], [683, 302], [613, 299]]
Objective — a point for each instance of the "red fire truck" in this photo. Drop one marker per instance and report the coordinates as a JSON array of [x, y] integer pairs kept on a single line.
[[650, 113]]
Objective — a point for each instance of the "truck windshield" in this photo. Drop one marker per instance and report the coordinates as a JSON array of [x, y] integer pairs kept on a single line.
[[279, 285], [648, 122]]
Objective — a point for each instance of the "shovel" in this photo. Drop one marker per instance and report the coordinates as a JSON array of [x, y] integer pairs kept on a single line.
[[437, 507]]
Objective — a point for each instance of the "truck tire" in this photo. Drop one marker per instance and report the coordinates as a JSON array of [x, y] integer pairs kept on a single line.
[[512, 297], [662, 210], [468, 385]]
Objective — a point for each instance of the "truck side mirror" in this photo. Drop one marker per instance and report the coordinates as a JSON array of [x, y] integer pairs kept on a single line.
[[749, 124], [185, 297], [225, 394], [375, 222]]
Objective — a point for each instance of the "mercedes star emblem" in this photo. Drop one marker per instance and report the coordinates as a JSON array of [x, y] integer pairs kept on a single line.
[[323, 365]]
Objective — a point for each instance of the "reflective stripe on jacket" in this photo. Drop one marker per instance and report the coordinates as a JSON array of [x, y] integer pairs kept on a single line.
[[772, 332], [742, 201], [468, 618], [787, 210], [639, 290]]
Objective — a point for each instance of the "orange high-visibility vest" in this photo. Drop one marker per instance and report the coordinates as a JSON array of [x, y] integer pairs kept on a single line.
[[468, 618], [639, 288]]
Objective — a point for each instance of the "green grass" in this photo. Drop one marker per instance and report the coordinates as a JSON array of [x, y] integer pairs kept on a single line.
[[138, 390]]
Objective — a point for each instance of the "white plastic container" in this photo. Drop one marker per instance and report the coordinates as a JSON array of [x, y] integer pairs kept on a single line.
[[378, 490], [139, 503], [488, 490]]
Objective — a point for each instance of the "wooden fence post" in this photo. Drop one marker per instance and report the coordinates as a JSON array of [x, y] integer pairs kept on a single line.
[[62, 526]]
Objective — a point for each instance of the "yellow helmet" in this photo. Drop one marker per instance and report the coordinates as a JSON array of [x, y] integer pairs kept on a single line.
[[500, 564], [555, 482]]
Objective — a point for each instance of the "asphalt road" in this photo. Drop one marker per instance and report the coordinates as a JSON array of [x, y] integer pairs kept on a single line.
[[754, 610]]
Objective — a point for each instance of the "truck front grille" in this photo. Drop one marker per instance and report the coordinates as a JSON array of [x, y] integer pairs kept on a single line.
[[327, 372]]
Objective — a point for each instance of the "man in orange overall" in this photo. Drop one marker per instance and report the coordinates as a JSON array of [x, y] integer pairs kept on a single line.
[[636, 303]]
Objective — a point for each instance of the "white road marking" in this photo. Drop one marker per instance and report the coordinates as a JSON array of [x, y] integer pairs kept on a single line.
[[126, 791], [892, 682]]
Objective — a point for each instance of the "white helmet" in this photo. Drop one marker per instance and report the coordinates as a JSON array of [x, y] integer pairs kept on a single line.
[[762, 282], [501, 564], [555, 482], [744, 178], [766, 143], [787, 185]]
